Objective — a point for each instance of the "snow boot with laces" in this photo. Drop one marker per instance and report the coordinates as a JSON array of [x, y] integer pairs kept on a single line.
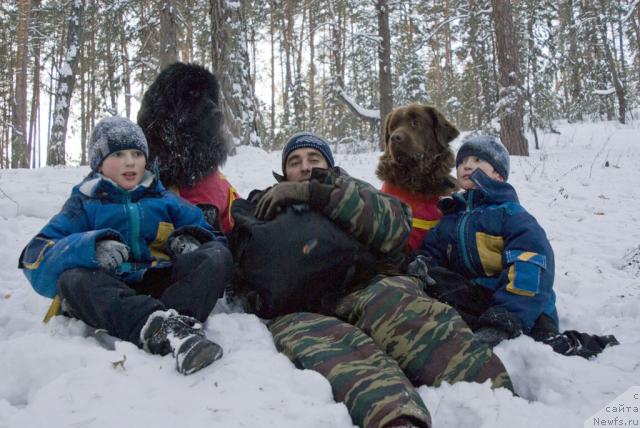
[[169, 332]]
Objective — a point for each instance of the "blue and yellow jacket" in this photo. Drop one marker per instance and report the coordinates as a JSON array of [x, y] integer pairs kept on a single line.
[[145, 218], [488, 237]]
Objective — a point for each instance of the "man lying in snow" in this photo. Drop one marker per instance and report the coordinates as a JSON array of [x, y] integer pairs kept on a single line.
[[371, 331]]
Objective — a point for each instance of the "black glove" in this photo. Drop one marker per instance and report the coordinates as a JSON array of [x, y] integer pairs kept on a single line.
[[282, 194], [491, 336], [499, 318], [585, 345], [419, 267], [182, 244], [111, 253]]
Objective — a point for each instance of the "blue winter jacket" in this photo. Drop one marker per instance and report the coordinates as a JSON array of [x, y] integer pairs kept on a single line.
[[489, 238], [145, 218]]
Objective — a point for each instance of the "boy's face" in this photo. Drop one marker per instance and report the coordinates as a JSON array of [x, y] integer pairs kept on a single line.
[[300, 162], [124, 167], [470, 164]]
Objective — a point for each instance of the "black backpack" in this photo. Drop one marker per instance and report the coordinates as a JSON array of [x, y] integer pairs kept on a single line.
[[298, 262]]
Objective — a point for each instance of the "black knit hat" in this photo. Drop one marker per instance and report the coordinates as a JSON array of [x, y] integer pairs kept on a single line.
[[488, 148], [307, 139], [113, 134]]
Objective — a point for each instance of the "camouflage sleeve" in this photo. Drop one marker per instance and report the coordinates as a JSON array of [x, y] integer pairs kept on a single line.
[[379, 221]]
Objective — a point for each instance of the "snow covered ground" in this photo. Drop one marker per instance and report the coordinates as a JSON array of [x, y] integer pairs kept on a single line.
[[584, 188]]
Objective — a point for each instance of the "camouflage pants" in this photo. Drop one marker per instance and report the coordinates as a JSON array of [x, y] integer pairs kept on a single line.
[[390, 335]]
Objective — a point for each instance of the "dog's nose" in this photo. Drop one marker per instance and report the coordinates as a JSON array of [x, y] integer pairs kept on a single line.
[[397, 137]]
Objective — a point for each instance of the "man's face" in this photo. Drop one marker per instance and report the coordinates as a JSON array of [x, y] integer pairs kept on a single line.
[[300, 162]]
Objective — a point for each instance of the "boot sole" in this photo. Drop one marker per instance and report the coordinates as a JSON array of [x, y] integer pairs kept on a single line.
[[198, 355]]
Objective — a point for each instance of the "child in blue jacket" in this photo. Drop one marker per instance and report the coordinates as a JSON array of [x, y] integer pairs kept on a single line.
[[491, 260], [127, 256]]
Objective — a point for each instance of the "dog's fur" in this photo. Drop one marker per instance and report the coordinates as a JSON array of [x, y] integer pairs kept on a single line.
[[416, 154], [182, 120]]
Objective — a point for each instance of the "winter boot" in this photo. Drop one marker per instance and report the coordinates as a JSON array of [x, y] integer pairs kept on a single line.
[[169, 332]]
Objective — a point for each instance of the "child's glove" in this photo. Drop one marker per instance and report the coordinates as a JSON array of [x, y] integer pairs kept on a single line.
[[491, 336], [111, 253], [282, 194], [497, 324], [183, 244], [418, 267]]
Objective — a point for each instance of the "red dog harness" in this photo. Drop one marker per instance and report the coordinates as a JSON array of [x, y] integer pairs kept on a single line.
[[425, 212], [214, 190]]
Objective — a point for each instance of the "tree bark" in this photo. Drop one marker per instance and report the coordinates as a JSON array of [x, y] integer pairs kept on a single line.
[[34, 120], [168, 38], [272, 35], [19, 147], [611, 63], [511, 99], [231, 66], [312, 71], [384, 64], [65, 86], [126, 70]]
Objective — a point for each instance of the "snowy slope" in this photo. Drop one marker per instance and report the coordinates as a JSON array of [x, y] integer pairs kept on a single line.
[[54, 375]]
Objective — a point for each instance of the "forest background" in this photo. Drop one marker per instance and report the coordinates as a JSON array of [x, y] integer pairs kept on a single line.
[[334, 67]]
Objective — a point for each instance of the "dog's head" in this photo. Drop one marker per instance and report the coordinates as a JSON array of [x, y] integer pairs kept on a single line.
[[417, 131], [416, 149], [182, 120]]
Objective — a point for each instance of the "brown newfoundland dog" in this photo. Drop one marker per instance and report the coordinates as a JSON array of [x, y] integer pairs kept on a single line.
[[416, 163]]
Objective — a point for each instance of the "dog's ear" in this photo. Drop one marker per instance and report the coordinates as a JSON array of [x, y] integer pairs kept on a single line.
[[445, 131], [387, 128]]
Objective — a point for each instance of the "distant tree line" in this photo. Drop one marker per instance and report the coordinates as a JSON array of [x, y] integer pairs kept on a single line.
[[335, 67]]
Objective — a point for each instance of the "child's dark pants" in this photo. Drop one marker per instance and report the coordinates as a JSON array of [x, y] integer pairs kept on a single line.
[[191, 286], [471, 301]]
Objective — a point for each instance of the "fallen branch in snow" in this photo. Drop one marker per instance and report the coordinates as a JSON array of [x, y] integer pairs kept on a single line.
[[363, 113]]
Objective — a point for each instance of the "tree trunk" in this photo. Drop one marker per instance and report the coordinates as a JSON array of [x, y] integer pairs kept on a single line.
[[126, 70], [168, 38], [312, 71], [287, 45], [231, 65], [66, 83], [34, 121], [510, 103], [572, 61], [111, 78], [611, 63], [19, 147], [384, 64], [272, 34]]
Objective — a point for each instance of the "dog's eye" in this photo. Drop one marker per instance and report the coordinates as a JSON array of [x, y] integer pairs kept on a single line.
[[194, 94], [415, 123]]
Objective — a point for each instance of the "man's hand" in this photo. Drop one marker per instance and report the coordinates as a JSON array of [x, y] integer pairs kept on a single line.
[[111, 253], [183, 244], [282, 194]]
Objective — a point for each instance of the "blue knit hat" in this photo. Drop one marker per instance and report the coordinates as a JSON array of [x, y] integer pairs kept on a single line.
[[113, 134], [307, 139], [487, 148]]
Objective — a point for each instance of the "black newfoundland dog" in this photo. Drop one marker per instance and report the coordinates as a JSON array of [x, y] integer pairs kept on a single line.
[[182, 120]]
